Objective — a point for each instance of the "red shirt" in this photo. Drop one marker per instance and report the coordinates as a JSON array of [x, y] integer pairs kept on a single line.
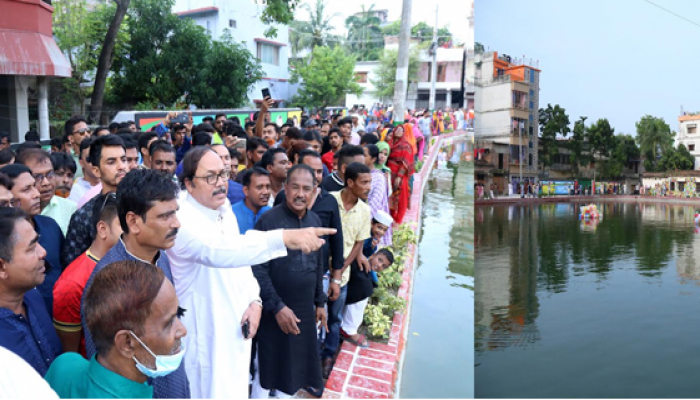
[[67, 294], [328, 160]]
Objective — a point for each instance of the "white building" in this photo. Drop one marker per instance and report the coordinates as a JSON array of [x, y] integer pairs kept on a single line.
[[688, 135], [451, 69], [242, 19], [507, 110]]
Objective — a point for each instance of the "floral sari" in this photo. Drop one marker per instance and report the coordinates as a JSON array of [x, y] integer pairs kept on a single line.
[[402, 167]]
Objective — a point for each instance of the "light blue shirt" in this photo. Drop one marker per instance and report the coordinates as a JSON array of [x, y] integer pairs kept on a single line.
[[246, 217]]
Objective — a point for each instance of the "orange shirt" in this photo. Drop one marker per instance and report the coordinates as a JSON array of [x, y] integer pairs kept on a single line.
[[67, 294]]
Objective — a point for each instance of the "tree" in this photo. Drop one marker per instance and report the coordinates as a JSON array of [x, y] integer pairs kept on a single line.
[[624, 150], [327, 78], [553, 121], [577, 145], [277, 11], [600, 139], [478, 48], [420, 30], [654, 138], [221, 86], [79, 31], [365, 35], [317, 31], [169, 57], [104, 62], [386, 72], [676, 159]]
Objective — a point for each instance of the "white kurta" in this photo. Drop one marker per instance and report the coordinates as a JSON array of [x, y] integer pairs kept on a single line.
[[215, 292]]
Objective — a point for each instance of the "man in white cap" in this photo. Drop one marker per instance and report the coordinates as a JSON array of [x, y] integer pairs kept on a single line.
[[362, 281]]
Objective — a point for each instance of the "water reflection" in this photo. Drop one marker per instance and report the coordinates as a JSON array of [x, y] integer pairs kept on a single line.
[[547, 283], [441, 327]]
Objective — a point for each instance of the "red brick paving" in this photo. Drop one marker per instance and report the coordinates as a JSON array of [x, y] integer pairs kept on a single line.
[[374, 371]]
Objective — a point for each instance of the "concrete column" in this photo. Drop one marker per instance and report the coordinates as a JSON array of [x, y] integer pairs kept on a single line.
[[448, 99], [19, 108], [43, 86]]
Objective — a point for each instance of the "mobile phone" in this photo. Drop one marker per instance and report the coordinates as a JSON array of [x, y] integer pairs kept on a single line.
[[246, 329], [241, 144], [181, 119], [266, 93]]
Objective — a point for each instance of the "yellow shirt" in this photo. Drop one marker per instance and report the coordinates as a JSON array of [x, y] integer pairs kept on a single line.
[[357, 227]]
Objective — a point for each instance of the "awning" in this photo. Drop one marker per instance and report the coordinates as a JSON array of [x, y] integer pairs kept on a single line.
[[31, 53]]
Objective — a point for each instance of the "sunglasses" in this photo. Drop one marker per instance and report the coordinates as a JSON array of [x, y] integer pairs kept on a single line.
[[82, 130]]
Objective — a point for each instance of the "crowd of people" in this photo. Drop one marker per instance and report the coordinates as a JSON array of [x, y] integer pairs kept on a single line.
[[224, 259]]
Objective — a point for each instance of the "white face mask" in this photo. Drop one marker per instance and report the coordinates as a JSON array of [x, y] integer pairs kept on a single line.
[[164, 364]]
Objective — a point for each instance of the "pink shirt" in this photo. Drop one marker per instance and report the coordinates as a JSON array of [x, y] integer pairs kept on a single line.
[[94, 191]]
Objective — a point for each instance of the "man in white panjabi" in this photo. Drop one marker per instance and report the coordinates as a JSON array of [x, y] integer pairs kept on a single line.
[[210, 263]]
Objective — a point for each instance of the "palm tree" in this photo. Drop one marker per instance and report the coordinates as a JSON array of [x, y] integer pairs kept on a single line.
[[365, 34], [317, 31]]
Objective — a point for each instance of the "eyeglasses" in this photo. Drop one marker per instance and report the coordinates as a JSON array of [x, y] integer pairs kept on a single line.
[[82, 130], [40, 177], [10, 203], [211, 179]]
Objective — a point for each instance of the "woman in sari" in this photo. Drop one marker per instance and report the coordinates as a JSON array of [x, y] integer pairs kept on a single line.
[[420, 138], [378, 199], [402, 167]]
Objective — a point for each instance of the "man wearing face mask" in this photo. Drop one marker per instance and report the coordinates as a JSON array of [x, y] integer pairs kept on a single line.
[[136, 331], [211, 270], [146, 206]]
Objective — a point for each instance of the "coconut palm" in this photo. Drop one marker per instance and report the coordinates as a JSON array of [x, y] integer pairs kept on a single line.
[[317, 31], [365, 36]]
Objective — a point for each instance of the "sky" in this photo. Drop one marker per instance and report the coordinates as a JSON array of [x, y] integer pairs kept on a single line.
[[618, 60], [450, 12]]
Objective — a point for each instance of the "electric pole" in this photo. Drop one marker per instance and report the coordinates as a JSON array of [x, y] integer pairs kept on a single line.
[[433, 65], [401, 87]]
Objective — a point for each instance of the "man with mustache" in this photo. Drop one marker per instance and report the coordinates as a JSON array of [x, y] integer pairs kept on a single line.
[[256, 186], [291, 289], [63, 173], [134, 329], [50, 236], [146, 206], [52, 206], [234, 191], [108, 162], [326, 207], [25, 324], [211, 269]]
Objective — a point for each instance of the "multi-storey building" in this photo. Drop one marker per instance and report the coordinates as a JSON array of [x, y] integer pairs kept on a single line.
[[242, 19], [688, 134], [507, 111], [451, 70]]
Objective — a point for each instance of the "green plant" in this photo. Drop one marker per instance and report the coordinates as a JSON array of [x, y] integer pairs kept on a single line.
[[384, 301]]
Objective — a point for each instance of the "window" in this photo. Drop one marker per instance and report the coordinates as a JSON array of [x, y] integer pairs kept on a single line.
[[268, 54], [529, 159], [532, 105], [692, 129], [208, 29], [691, 147], [530, 144], [441, 73], [532, 76], [361, 77], [532, 93], [232, 23]]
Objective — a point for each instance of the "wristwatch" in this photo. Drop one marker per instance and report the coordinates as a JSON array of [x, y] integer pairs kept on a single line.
[[258, 302], [336, 281]]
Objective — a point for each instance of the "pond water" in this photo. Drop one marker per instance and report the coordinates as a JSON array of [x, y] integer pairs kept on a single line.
[[569, 309], [440, 354]]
